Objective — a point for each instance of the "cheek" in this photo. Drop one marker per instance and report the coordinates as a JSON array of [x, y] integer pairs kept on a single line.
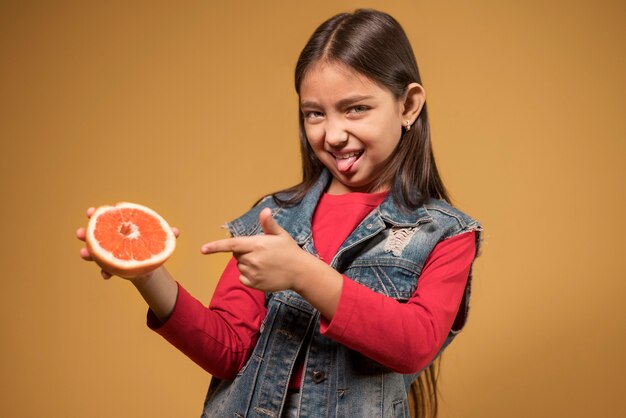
[[394, 121], [314, 135], [391, 130]]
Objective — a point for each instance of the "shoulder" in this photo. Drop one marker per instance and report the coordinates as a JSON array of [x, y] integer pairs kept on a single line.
[[248, 223], [452, 220]]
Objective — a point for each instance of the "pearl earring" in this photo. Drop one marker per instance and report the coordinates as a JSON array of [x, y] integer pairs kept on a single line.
[[408, 125]]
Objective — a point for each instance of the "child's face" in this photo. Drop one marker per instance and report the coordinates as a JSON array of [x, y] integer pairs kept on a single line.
[[352, 124]]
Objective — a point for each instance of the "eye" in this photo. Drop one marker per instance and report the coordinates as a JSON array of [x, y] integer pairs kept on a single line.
[[312, 115], [358, 109]]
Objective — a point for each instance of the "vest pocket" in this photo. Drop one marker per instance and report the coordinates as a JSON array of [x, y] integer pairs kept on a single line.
[[401, 409], [392, 277]]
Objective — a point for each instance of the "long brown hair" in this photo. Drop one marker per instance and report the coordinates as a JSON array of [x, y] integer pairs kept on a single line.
[[374, 44]]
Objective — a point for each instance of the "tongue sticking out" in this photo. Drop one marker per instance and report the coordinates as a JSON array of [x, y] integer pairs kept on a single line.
[[344, 164]]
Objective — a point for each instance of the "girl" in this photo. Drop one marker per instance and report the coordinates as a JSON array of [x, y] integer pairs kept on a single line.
[[343, 289]]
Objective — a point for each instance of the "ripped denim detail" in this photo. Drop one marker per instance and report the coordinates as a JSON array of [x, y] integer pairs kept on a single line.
[[398, 240]]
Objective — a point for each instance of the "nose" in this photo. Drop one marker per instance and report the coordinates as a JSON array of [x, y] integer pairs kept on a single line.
[[336, 134]]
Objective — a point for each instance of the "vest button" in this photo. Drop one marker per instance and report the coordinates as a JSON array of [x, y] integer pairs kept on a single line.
[[319, 376]]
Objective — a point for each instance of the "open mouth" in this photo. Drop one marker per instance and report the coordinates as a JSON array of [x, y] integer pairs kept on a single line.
[[347, 160]]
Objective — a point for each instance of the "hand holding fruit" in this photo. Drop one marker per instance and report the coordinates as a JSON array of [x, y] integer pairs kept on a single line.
[[127, 240]]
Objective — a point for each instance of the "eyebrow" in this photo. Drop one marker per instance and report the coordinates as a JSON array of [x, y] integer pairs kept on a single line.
[[341, 103]]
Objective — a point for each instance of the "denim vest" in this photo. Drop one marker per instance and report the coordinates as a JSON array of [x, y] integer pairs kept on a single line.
[[386, 253]]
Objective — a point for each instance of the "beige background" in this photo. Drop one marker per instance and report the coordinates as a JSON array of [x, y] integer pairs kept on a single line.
[[190, 109]]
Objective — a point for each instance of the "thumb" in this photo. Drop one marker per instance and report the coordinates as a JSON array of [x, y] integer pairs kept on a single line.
[[269, 225]]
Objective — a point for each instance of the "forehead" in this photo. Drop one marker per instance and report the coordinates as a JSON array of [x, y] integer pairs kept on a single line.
[[331, 80]]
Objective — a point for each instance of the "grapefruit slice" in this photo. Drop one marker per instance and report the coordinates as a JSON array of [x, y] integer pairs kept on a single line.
[[129, 239]]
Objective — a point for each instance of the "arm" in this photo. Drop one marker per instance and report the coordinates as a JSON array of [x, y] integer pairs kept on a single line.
[[406, 336], [220, 337]]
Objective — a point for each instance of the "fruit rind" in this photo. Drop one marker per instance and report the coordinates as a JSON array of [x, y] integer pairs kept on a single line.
[[127, 268]]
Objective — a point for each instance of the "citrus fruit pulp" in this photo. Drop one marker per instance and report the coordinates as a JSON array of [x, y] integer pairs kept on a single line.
[[129, 239]]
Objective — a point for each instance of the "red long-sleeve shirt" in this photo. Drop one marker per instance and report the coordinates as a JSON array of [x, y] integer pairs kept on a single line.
[[402, 336]]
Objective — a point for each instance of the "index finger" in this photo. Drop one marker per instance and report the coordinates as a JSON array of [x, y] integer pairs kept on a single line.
[[228, 245]]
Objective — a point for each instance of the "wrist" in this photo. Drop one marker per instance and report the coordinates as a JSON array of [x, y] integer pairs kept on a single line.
[[143, 278], [305, 273], [159, 290], [319, 284]]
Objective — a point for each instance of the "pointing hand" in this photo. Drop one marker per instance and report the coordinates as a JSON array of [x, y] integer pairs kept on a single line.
[[269, 262]]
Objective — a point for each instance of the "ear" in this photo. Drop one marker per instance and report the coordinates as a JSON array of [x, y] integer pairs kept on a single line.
[[413, 102]]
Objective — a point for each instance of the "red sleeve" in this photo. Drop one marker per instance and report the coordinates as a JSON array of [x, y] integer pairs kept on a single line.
[[219, 338], [406, 336]]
